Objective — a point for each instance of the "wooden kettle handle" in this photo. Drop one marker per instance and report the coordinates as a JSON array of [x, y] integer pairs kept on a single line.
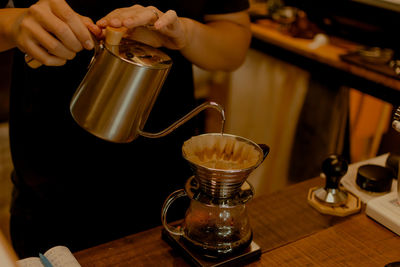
[[113, 37]]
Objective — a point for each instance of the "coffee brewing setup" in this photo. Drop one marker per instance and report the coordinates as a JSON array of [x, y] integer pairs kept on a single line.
[[216, 226], [113, 103]]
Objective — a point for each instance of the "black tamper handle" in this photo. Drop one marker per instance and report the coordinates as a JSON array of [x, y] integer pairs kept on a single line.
[[334, 168]]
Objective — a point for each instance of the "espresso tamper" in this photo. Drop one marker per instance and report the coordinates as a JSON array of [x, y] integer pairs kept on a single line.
[[333, 168]]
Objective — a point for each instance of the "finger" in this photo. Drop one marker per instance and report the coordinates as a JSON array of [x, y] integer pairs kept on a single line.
[[169, 18], [66, 14], [93, 28], [52, 45], [130, 17], [35, 31], [147, 16], [172, 30], [146, 36], [53, 24], [112, 19], [169, 25], [116, 17], [35, 51], [33, 63]]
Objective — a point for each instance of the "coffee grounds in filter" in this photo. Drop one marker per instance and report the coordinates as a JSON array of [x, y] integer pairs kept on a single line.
[[221, 152]]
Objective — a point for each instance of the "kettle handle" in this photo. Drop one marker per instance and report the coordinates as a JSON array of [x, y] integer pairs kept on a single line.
[[171, 198]]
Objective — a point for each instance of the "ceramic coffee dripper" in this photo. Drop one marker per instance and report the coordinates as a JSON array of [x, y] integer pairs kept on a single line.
[[116, 96], [216, 223]]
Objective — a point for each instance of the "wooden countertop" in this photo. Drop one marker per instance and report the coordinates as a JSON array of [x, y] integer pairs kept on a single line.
[[288, 230], [328, 54]]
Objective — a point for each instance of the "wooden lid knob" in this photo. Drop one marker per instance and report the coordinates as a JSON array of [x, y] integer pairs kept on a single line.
[[114, 35]]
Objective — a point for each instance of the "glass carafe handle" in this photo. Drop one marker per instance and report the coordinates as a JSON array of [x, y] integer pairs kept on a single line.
[[171, 198]]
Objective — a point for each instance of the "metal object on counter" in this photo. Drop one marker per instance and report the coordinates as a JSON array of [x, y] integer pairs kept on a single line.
[[333, 199], [334, 168], [376, 55]]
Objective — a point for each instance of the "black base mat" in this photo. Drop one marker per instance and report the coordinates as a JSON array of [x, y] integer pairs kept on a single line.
[[252, 253]]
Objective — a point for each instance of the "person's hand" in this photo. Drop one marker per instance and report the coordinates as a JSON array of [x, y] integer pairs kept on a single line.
[[52, 33], [149, 25]]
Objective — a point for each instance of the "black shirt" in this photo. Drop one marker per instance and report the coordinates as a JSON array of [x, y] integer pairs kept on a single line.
[[98, 189]]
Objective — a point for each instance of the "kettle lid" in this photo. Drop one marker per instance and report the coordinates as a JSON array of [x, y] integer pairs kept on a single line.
[[140, 54]]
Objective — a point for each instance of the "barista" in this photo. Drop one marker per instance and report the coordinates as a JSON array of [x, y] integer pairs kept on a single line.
[[70, 187]]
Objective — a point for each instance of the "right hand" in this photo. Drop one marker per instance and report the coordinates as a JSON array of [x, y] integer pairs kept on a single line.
[[167, 28], [52, 33]]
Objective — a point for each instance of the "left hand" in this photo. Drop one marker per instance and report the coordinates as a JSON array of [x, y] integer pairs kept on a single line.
[[149, 25]]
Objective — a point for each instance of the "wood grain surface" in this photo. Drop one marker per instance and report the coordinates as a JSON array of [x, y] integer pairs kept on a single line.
[[285, 216], [277, 220], [357, 242]]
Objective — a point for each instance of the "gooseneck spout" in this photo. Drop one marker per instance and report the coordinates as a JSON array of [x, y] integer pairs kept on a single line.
[[187, 117]]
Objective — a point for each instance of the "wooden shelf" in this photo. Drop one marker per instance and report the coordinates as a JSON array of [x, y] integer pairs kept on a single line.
[[329, 54]]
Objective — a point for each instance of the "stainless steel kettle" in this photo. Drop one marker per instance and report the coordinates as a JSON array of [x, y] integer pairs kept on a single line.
[[117, 94]]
